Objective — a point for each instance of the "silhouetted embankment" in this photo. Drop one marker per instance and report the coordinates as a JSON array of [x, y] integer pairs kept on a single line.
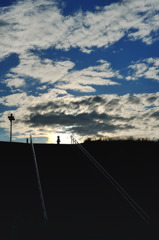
[[135, 165], [80, 202]]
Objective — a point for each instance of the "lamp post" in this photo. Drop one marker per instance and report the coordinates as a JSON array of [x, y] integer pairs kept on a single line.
[[11, 118]]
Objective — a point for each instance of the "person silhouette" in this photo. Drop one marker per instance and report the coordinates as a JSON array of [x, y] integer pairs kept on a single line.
[[58, 140]]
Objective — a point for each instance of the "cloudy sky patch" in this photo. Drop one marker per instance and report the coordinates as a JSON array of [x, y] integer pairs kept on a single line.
[[82, 69]]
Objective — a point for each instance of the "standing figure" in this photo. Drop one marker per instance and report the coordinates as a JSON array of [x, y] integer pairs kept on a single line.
[[58, 140]]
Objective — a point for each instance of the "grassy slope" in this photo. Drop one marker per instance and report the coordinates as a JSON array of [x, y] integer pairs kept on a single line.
[[80, 202], [135, 166]]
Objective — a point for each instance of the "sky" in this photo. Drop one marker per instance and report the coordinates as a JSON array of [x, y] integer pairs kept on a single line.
[[88, 68]]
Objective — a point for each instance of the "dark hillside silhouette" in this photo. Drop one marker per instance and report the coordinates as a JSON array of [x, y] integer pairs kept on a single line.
[[19, 194], [80, 203], [135, 165]]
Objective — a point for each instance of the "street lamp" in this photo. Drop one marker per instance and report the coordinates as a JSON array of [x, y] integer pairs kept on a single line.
[[11, 118]]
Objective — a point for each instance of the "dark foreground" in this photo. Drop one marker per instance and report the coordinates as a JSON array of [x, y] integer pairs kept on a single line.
[[81, 204]]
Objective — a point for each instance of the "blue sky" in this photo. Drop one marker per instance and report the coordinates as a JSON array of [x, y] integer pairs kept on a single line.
[[87, 68]]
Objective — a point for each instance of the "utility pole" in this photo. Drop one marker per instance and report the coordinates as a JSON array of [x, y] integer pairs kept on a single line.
[[11, 118]]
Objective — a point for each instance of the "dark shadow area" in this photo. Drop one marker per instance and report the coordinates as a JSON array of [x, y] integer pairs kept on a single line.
[[80, 202]]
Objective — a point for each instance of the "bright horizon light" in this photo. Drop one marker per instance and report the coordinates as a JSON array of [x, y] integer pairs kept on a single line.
[[64, 138]]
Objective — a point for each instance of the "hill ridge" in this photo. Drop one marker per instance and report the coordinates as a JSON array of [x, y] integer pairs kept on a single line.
[[77, 196]]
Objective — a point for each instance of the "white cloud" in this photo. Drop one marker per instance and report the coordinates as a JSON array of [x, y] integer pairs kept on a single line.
[[147, 68], [16, 99], [61, 74], [110, 23], [96, 75], [149, 22], [17, 82], [30, 24], [40, 25], [22, 99], [46, 71]]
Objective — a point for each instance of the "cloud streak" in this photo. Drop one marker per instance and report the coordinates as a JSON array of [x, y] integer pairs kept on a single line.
[[147, 68]]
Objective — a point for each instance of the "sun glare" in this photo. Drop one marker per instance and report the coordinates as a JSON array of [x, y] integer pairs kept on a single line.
[[64, 138]]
